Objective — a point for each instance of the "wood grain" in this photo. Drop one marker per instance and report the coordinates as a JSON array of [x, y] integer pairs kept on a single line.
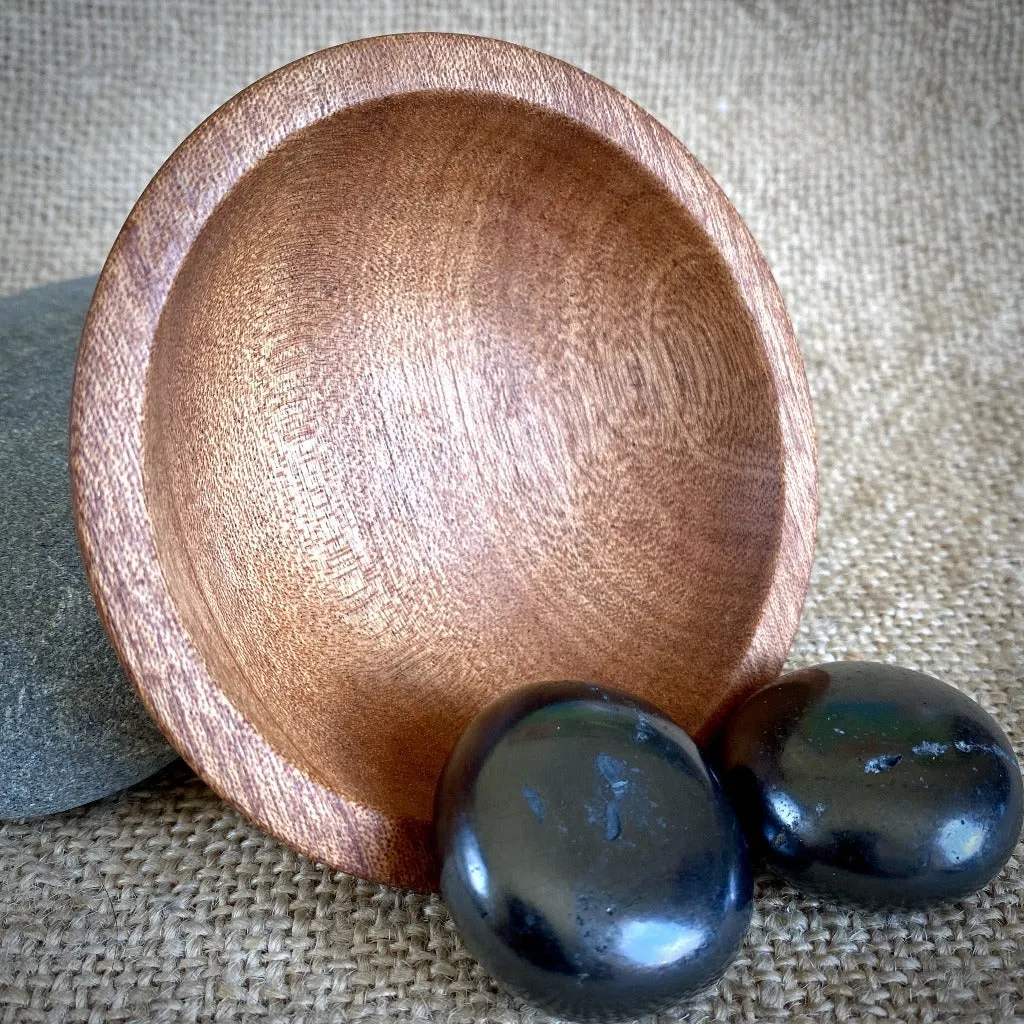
[[426, 367]]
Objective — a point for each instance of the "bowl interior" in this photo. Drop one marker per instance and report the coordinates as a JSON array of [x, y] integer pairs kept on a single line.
[[451, 394]]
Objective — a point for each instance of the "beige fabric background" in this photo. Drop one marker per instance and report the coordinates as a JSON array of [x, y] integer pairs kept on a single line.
[[876, 152]]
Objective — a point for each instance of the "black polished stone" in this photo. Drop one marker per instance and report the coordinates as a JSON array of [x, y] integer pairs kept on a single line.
[[873, 783], [589, 857]]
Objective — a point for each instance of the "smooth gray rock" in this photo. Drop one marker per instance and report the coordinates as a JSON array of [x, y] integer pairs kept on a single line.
[[71, 727]]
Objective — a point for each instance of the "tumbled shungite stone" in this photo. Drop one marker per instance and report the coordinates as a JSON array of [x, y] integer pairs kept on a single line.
[[589, 857], [873, 783]]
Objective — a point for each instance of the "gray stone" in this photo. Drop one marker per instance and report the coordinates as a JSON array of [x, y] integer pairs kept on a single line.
[[71, 727]]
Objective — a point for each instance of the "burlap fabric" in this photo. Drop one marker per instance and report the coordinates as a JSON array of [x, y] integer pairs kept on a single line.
[[876, 151]]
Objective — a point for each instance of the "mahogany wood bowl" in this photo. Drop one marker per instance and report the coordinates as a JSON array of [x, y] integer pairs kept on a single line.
[[426, 367]]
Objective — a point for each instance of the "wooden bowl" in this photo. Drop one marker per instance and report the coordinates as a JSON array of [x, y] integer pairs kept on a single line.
[[426, 367]]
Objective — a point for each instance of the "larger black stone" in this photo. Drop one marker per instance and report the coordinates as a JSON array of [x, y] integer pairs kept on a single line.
[[590, 859], [71, 728], [873, 783]]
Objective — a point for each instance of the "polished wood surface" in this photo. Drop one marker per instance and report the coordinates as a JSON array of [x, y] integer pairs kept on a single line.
[[427, 367]]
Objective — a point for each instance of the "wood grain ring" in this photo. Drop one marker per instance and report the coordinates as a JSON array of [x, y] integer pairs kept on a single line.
[[426, 366]]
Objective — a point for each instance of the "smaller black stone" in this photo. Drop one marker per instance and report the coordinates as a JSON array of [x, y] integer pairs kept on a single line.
[[874, 784], [589, 857]]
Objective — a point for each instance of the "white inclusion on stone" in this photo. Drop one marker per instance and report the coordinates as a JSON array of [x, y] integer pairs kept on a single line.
[[532, 797], [929, 749], [966, 747], [612, 823], [644, 731], [613, 772]]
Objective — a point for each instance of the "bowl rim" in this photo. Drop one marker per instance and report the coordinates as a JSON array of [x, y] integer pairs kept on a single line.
[[106, 429]]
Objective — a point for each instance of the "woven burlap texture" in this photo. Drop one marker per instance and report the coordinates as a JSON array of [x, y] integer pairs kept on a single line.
[[876, 152]]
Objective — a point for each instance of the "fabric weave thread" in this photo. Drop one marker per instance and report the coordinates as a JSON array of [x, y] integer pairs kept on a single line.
[[875, 150]]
